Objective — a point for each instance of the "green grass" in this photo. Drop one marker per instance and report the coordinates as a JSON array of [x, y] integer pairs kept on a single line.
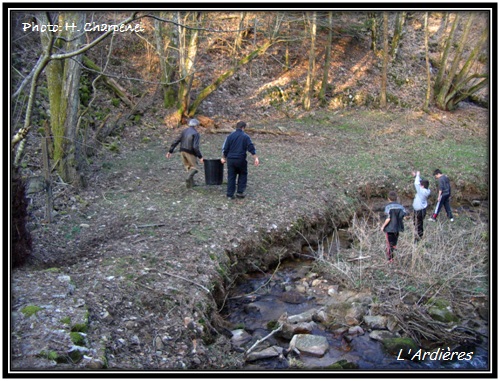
[[31, 310]]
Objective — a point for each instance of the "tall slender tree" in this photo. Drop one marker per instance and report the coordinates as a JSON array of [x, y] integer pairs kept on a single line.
[[188, 50], [398, 33], [309, 88], [163, 37], [385, 59], [328, 58], [63, 82], [427, 65]]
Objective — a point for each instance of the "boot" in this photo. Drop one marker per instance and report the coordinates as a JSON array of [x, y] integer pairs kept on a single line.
[[190, 179]]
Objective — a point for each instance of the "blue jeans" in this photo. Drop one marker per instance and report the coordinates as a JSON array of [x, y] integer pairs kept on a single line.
[[237, 171]]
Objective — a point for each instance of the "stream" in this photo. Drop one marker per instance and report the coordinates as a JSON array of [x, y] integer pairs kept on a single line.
[[264, 297]]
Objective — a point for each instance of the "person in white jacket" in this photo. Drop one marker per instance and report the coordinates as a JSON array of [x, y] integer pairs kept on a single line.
[[420, 204]]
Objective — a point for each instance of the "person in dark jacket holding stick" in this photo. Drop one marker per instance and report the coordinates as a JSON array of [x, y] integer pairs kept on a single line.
[[443, 195], [234, 152], [190, 150]]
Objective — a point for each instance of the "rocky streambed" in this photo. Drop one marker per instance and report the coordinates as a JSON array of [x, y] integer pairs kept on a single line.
[[294, 318]]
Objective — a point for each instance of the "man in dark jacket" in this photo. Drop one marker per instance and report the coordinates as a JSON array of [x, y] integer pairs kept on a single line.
[[234, 152], [190, 150], [393, 223]]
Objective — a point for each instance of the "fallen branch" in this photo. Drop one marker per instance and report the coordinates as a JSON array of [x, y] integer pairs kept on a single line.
[[254, 131], [110, 83], [358, 258], [263, 339], [149, 225], [188, 280]]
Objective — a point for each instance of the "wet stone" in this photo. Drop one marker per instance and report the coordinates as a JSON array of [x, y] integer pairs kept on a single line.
[[270, 352], [310, 344], [293, 297]]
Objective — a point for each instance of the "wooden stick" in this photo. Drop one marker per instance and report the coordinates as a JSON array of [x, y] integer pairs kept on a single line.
[[149, 225], [188, 280], [264, 339]]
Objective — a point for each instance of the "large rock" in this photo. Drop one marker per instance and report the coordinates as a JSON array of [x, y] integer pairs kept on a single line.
[[375, 322], [442, 314], [270, 352], [289, 330], [303, 317], [309, 344], [346, 308], [381, 335], [240, 337]]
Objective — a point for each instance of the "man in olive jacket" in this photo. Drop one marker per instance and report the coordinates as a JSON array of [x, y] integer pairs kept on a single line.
[[190, 150]]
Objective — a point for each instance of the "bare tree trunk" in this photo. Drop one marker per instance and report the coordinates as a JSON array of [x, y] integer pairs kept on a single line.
[[63, 81], [442, 39], [239, 36], [373, 30], [308, 91], [398, 33], [465, 84], [287, 50], [187, 58], [166, 66], [447, 89], [427, 66], [326, 69], [114, 86], [22, 134], [446, 52], [383, 87]]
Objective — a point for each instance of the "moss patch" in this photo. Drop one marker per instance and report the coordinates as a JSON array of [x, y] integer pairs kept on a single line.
[[77, 338], [404, 345], [31, 310]]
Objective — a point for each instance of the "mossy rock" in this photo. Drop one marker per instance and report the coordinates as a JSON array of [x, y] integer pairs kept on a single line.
[[49, 355], [403, 345], [442, 314], [75, 356], [79, 327], [440, 310], [436, 302]]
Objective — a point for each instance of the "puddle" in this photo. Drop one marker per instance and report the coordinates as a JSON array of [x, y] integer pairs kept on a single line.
[[262, 298]]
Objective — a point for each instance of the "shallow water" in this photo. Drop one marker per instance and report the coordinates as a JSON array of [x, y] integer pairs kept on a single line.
[[259, 300]]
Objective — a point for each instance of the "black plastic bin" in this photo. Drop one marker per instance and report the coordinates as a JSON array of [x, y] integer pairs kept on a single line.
[[214, 171]]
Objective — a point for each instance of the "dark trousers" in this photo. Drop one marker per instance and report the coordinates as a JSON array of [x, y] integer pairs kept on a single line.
[[391, 242], [237, 172], [418, 219], [445, 201]]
